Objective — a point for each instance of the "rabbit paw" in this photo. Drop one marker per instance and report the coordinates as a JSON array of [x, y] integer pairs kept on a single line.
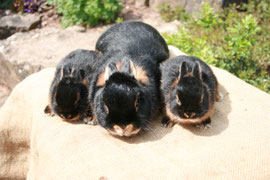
[[166, 122], [48, 111], [219, 97], [89, 121], [205, 124]]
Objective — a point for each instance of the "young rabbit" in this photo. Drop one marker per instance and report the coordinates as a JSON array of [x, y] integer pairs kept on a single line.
[[68, 96], [125, 90], [189, 90]]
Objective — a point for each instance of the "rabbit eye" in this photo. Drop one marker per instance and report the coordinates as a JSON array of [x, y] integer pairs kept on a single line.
[[136, 103]]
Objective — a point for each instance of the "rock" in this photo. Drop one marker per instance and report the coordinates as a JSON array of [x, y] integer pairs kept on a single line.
[[174, 51], [9, 78], [12, 74], [77, 28], [24, 69], [50, 13], [17, 23], [172, 27], [2, 48], [44, 23], [191, 6]]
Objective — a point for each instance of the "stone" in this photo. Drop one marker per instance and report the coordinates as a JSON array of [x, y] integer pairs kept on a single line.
[[12, 73], [9, 78], [191, 6], [17, 23], [24, 69]]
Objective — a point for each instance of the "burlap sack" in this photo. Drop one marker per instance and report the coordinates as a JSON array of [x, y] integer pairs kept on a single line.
[[40, 147]]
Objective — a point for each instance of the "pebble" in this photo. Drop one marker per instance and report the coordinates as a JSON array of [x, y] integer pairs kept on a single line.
[[2, 48], [26, 67], [77, 28]]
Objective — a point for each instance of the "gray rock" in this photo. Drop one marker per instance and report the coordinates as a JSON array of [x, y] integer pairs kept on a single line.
[[17, 23], [12, 74], [24, 69], [9, 78]]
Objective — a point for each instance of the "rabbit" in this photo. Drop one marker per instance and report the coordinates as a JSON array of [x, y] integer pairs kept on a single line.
[[125, 90], [127, 96], [68, 95], [134, 38], [189, 90]]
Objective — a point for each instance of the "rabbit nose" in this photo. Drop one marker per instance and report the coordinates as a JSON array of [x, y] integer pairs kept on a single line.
[[118, 130], [125, 131], [192, 115], [186, 115], [189, 114]]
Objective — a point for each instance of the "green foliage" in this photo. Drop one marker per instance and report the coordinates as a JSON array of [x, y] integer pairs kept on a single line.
[[236, 41], [190, 45], [119, 20], [207, 17], [87, 12]]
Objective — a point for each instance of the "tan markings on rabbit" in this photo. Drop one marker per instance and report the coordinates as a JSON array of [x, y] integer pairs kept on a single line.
[[102, 79], [139, 73]]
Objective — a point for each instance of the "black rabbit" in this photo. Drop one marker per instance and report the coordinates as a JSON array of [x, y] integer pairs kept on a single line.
[[189, 90], [134, 38], [125, 91], [68, 96]]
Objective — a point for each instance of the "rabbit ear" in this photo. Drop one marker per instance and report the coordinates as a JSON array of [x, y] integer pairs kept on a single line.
[[178, 99], [66, 71], [72, 71], [128, 67], [109, 70], [82, 77], [125, 66], [62, 73], [133, 69], [104, 76], [182, 69], [197, 73]]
